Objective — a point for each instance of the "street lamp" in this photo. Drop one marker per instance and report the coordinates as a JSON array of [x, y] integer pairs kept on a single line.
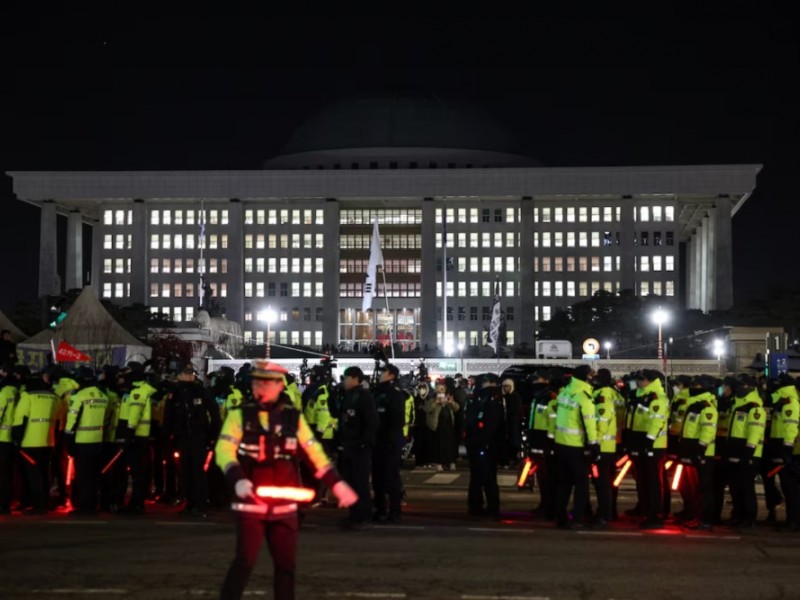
[[267, 316], [608, 350], [719, 349], [448, 347], [659, 318]]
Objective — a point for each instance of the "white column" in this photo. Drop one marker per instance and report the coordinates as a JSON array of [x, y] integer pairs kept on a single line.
[[704, 265], [49, 283], [690, 283], [723, 263], [429, 275], [74, 279], [97, 258], [698, 268], [712, 260]]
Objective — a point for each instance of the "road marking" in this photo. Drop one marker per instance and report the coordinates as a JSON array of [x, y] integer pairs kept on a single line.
[[399, 527], [82, 591], [442, 478], [506, 480], [498, 530], [712, 537], [623, 533], [365, 595], [469, 597]]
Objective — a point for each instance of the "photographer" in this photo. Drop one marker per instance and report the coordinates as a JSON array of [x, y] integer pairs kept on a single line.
[[440, 416]]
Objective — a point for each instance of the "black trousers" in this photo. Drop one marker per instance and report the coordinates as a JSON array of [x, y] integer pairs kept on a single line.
[[572, 473], [790, 486], [281, 537], [114, 480], [194, 450], [483, 481], [137, 458], [772, 497], [86, 485], [386, 462], [38, 476], [604, 485], [721, 480], [652, 478], [157, 451], [59, 465], [743, 490], [699, 481], [355, 471], [544, 477], [7, 453]]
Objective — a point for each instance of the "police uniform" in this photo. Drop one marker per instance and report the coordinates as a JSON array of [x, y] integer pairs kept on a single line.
[[605, 400], [541, 446], [134, 430], [261, 443], [387, 453], [8, 400], [484, 428], [783, 448]]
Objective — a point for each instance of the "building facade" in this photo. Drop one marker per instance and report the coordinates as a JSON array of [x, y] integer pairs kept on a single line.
[[294, 237]]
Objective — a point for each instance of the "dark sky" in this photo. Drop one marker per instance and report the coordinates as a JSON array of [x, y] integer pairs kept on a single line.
[[226, 94]]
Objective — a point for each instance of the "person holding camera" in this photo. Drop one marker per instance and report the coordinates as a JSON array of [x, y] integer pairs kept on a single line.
[[440, 415]]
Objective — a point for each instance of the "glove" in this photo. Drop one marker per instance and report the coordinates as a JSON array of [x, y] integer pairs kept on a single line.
[[244, 489], [648, 446], [345, 494], [71, 445], [700, 459], [594, 452]]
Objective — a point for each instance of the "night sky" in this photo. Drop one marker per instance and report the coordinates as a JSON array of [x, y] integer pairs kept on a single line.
[[83, 94]]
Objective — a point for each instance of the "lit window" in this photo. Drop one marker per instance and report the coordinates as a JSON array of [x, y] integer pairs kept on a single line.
[[657, 214], [546, 313], [545, 215], [509, 240], [669, 214], [473, 288], [189, 221], [473, 264], [284, 265], [509, 289], [644, 213], [165, 241], [583, 264], [318, 289], [583, 288], [583, 214], [608, 216], [318, 239], [177, 218], [570, 239], [165, 290], [177, 290], [545, 288], [510, 266], [546, 264], [319, 216], [644, 288], [669, 263], [213, 217], [583, 239], [177, 242], [486, 288], [307, 240], [248, 217], [108, 217], [608, 264], [307, 265], [595, 239], [644, 263], [188, 291], [570, 214], [657, 265], [670, 285], [190, 265], [248, 289], [511, 215], [108, 242], [498, 264], [107, 265], [486, 264], [154, 290], [596, 264], [259, 289], [558, 215], [558, 239], [119, 242], [570, 288], [153, 242], [165, 217], [558, 264], [657, 287], [558, 288], [224, 217], [272, 217], [189, 241]]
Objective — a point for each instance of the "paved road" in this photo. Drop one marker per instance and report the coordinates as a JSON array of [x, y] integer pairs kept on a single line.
[[438, 552]]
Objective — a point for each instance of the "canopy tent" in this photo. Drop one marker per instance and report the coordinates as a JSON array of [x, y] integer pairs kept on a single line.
[[91, 329], [6, 323]]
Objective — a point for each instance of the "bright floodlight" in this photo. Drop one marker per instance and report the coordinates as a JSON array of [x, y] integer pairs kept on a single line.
[[461, 347], [267, 316], [448, 347], [719, 347], [608, 345], [660, 317]]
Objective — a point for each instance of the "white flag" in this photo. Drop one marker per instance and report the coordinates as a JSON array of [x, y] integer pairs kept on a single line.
[[375, 261], [496, 322]]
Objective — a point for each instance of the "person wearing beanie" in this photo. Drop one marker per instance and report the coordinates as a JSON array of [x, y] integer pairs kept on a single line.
[[782, 448], [576, 430]]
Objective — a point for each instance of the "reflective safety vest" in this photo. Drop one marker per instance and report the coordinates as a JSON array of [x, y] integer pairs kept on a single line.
[[323, 423], [294, 393], [112, 416], [136, 408], [785, 412], [36, 411], [747, 427], [63, 389], [233, 400], [410, 415], [699, 428], [8, 401], [650, 418], [606, 416], [87, 415], [539, 421], [260, 443], [575, 415]]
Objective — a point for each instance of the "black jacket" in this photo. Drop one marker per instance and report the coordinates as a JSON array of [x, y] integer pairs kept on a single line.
[[390, 402], [190, 411], [485, 422], [358, 418]]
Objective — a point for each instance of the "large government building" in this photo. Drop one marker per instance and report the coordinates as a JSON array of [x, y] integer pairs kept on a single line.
[[294, 237]]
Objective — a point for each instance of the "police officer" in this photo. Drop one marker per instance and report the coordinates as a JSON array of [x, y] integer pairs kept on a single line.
[[84, 435], [540, 444], [677, 413], [726, 398], [191, 420], [258, 449], [782, 446], [358, 424], [605, 401], [9, 391], [576, 430], [387, 453], [33, 434], [485, 444], [744, 449]]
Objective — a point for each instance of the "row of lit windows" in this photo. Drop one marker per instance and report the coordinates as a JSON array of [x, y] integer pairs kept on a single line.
[[284, 217], [187, 217], [656, 214], [186, 265], [656, 263], [282, 265], [385, 216], [478, 215], [466, 289], [297, 313], [390, 290], [574, 239], [294, 338], [178, 314], [573, 288], [118, 217], [116, 290], [469, 338], [388, 242], [117, 242], [274, 241], [480, 264], [577, 214], [261, 289], [119, 265], [389, 266], [184, 290], [461, 313], [180, 241], [657, 288], [479, 240]]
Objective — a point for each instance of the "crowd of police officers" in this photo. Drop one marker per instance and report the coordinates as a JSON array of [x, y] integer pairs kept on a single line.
[[96, 435]]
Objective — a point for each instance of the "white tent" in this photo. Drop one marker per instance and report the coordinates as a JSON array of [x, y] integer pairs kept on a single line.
[[91, 329], [6, 323]]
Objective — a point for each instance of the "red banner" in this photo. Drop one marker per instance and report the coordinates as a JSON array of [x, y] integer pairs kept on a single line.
[[67, 353]]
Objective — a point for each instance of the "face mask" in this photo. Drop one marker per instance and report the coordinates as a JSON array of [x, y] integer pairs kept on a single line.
[[676, 390], [719, 391], [632, 384]]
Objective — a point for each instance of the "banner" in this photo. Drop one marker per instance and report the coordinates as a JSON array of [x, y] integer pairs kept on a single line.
[[497, 319], [375, 261], [67, 353]]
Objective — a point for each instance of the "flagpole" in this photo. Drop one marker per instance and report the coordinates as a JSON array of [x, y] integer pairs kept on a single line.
[[444, 280], [388, 312], [202, 243]]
